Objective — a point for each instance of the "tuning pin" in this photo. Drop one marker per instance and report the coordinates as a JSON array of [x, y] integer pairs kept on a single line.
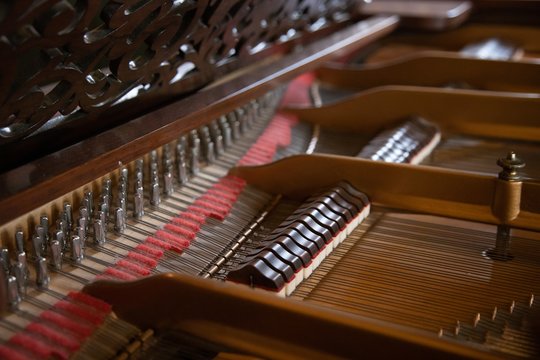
[[4, 260], [119, 220], [494, 313], [153, 156], [68, 216], [106, 187], [61, 226], [99, 232], [531, 300], [42, 273], [76, 249], [81, 230], [168, 187], [20, 271], [59, 236], [210, 153], [155, 196], [44, 223], [14, 297], [37, 242], [88, 203], [81, 233], [195, 143], [19, 240], [512, 306], [104, 208], [124, 173], [225, 132], [182, 167], [139, 172], [56, 254], [234, 125], [83, 217], [122, 205], [139, 203], [194, 162]]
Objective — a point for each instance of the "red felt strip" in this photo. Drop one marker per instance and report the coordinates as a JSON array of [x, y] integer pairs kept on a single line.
[[150, 251], [89, 300], [119, 274], [215, 199], [78, 328], [220, 193], [180, 231], [187, 223], [9, 353], [229, 189], [147, 261], [135, 268], [80, 311], [199, 210], [234, 179], [57, 337], [163, 244], [38, 347], [297, 92], [194, 217], [176, 239]]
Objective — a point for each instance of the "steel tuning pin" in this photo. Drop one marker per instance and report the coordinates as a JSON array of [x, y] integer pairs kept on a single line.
[[99, 232], [234, 125], [42, 273], [138, 211], [68, 217], [155, 196], [19, 240], [168, 187], [195, 152], [4, 260], [56, 254], [119, 220], [225, 132], [217, 137], [77, 253], [88, 203], [37, 242], [14, 297], [44, 223], [181, 161]]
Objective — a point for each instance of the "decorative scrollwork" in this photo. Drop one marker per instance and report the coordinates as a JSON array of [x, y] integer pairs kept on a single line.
[[64, 59]]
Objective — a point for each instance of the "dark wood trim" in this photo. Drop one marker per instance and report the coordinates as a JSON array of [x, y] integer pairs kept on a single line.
[[43, 180]]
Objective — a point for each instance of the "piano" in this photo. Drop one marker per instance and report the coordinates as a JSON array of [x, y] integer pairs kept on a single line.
[[285, 179]]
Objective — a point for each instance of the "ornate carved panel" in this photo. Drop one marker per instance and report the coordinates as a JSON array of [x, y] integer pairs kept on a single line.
[[67, 60]]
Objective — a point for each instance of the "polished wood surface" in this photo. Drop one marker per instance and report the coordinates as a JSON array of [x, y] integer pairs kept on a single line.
[[430, 15], [480, 113], [422, 189], [435, 68], [264, 325]]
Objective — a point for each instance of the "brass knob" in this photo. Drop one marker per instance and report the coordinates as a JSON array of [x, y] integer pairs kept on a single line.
[[510, 164]]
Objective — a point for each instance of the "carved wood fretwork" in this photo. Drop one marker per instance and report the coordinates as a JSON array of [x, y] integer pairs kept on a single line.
[[67, 61]]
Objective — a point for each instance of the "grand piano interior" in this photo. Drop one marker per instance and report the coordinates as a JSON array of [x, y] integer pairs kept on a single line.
[[255, 179]]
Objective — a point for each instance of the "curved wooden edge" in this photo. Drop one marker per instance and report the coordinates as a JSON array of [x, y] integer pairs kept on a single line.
[[435, 68], [427, 15], [263, 324], [424, 189], [525, 37], [481, 113], [36, 183]]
